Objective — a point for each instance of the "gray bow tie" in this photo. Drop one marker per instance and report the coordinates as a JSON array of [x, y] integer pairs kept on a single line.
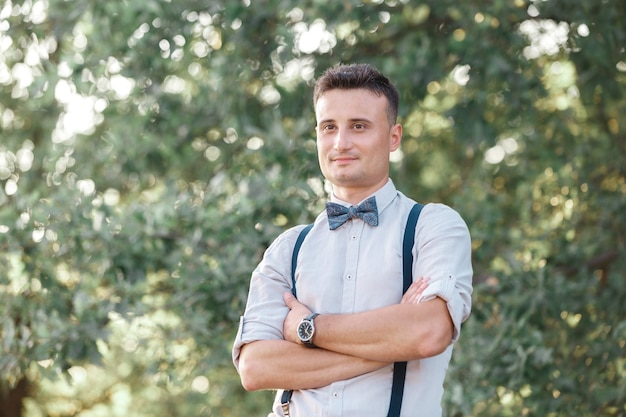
[[366, 211]]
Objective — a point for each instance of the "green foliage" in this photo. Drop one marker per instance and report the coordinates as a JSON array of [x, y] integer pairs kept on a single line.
[[150, 151]]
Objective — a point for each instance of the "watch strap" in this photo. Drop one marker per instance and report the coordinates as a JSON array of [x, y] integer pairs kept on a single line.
[[311, 316]]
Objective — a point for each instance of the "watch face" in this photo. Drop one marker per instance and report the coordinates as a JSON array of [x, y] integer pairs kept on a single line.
[[305, 331]]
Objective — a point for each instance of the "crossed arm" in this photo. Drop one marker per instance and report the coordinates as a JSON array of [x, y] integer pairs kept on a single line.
[[349, 345]]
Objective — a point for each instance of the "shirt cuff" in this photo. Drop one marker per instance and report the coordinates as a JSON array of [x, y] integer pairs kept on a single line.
[[445, 288], [238, 344]]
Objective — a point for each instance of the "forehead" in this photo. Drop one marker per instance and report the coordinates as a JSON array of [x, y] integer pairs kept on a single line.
[[352, 103]]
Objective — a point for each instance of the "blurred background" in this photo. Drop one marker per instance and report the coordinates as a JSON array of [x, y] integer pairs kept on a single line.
[[151, 150]]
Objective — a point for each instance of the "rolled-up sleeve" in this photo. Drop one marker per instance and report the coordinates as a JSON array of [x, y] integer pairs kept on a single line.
[[443, 254], [265, 308]]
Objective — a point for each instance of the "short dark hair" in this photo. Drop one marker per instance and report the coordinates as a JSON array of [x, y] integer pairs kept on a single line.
[[354, 76]]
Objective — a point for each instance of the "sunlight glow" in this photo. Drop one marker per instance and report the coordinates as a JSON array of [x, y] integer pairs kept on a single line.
[[173, 84], [10, 186], [81, 113], [86, 187], [460, 74], [122, 86], [212, 153], [583, 30], [200, 384], [497, 153], [269, 95], [547, 37], [314, 38], [295, 71], [255, 143]]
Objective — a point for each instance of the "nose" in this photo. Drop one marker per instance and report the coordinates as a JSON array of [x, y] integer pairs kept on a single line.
[[342, 140]]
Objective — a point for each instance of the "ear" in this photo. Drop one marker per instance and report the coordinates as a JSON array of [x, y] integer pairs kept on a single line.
[[395, 137]]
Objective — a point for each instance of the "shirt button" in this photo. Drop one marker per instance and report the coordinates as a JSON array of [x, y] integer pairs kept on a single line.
[[335, 395], [353, 237], [349, 277]]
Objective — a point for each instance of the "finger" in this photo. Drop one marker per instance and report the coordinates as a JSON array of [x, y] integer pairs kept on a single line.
[[422, 284], [412, 291], [415, 290], [418, 286], [410, 294], [290, 300]]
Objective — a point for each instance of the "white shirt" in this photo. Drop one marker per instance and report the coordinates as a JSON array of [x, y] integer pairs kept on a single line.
[[355, 268]]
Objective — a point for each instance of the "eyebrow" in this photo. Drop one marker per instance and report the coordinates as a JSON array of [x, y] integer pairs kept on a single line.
[[358, 119]]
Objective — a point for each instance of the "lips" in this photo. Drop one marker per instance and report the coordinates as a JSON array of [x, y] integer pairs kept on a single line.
[[343, 158]]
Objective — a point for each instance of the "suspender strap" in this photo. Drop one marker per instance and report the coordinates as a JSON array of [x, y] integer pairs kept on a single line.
[[407, 246], [294, 256], [286, 397], [399, 368], [284, 402]]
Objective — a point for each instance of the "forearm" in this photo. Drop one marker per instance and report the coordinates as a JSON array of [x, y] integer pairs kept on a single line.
[[280, 364], [399, 332]]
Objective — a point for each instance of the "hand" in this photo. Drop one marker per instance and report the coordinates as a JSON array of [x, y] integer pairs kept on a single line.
[[297, 312], [412, 295]]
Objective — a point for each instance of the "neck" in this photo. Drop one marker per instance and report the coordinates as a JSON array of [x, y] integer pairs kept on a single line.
[[354, 195]]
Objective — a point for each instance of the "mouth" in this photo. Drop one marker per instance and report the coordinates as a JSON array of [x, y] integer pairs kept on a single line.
[[343, 159]]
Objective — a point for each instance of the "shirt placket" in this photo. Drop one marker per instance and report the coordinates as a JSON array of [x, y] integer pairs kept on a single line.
[[349, 278], [354, 230]]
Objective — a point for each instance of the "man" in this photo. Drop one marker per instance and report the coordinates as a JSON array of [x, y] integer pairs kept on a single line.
[[352, 276]]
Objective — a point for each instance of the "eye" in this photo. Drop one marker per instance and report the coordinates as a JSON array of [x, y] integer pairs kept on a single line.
[[359, 126], [327, 128]]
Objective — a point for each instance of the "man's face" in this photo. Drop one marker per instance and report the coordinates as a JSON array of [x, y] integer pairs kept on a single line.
[[354, 140]]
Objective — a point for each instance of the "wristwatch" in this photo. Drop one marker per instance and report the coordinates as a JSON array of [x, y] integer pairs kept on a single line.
[[306, 330]]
